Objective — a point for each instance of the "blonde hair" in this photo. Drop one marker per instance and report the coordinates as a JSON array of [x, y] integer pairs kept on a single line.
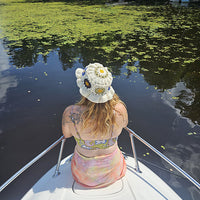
[[101, 115]]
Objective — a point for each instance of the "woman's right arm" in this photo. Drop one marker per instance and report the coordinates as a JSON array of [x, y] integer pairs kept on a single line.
[[125, 116], [121, 109]]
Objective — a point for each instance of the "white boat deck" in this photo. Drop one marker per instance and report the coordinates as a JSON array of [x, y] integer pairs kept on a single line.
[[134, 186]]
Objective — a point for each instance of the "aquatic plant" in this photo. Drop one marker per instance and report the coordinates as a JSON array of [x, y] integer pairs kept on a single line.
[[137, 30], [164, 40]]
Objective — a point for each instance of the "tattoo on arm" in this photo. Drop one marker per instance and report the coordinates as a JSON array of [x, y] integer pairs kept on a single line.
[[74, 117], [65, 119]]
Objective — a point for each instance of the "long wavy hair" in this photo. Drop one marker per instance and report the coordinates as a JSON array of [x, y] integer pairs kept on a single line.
[[100, 115]]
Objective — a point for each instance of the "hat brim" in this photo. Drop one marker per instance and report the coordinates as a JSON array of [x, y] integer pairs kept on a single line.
[[97, 98], [78, 73]]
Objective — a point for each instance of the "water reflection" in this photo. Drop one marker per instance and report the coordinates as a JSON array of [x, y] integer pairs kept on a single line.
[[179, 95], [183, 148], [187, 157], [6, 81], [177, 3]]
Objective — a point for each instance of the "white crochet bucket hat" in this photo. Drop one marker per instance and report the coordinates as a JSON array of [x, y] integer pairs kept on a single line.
[[95, 83]]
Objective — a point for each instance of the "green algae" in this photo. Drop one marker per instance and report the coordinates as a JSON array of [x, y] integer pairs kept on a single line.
[[160, 42], [148, 33]]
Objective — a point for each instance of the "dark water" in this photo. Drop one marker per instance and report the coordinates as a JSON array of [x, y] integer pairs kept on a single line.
[[163, 107]]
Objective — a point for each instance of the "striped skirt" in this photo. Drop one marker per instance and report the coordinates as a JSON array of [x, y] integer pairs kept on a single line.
[[98, 171]]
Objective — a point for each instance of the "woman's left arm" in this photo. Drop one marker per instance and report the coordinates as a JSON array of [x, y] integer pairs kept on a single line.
[[66, 122]]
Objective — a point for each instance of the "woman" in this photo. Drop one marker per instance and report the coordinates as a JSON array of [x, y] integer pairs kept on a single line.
[[96, 122]]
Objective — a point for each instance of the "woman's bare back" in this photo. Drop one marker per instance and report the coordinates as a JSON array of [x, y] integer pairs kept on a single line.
[[72, 118]]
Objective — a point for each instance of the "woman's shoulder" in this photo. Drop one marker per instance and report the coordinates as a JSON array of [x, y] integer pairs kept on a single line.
[[73, 108], [121, 114], [120, 108], [72, 112]]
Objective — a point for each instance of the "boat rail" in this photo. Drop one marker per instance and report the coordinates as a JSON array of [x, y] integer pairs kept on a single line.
[[12, 178], [186, 175], [132, 134]]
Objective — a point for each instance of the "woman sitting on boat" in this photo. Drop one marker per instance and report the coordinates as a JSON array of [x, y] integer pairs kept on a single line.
[[95, 122]]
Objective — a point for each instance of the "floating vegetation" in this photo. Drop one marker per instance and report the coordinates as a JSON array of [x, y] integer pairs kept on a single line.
[[160, 42], [192, 133], [146, 154], [162, 147], [132, 68], [175, 98], [140, 32], [45, 74], [143, 69]]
